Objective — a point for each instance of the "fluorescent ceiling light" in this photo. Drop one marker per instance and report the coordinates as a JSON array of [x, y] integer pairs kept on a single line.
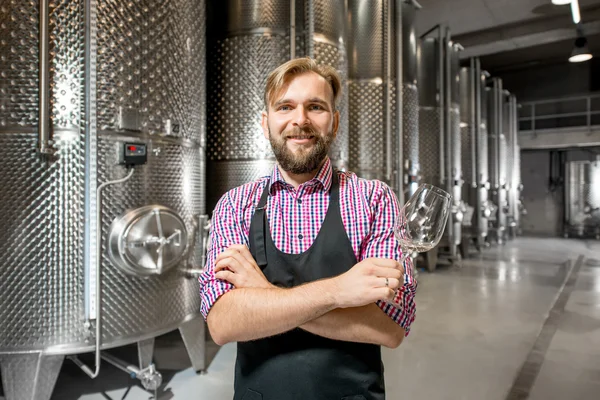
[[575, 11], [561, 2]]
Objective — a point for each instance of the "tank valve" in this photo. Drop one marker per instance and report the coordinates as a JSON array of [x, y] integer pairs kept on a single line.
[[151, 379]]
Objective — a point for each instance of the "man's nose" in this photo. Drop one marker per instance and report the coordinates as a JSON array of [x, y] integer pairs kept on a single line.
[[301, 116]]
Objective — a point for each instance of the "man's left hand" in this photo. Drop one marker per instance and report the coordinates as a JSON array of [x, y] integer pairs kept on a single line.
[[237, 266]]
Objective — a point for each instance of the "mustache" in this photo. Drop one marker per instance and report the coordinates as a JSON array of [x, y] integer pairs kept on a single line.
[[299, 133]]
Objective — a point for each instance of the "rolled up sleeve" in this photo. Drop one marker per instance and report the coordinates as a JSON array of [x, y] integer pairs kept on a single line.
[[382, 243], [224, 232]]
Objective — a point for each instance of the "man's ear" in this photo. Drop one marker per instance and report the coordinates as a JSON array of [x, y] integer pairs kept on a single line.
[[264, 123], [336, 123]]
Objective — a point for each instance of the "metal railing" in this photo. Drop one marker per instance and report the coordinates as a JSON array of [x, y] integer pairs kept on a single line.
[[563, 112]]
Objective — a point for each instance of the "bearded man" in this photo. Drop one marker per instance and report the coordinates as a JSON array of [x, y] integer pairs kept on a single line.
[[302, 267]]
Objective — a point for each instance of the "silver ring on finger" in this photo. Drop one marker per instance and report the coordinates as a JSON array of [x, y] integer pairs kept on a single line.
[[387, 282]]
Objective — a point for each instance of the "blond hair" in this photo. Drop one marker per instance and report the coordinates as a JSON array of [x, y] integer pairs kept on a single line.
[[282, 75]]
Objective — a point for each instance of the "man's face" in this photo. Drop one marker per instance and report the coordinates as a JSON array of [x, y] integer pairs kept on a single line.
[[301, 123]]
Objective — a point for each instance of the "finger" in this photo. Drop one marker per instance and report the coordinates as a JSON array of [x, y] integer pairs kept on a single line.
[[384, 262], [230, 263], [227, 276], [386, 294], [235, 255], [244, 251], [387, 272], [393, 283]]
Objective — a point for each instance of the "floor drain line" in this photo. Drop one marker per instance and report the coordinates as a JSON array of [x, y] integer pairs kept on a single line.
[[530, 369]]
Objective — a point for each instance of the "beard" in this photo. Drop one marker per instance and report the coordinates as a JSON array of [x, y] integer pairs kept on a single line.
[[303, 160]]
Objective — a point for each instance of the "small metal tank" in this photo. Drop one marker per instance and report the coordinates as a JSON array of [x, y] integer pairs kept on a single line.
[[247, 40], [90, 78], [373, 117], [582, 199]]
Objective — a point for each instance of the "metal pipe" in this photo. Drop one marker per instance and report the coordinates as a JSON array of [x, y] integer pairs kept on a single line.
[[478, 101], [122, 365], [474, 127], [98, 286], [399, 105], [387, 94], [44, 146], [442, 102], [448, 135], [292, 29]]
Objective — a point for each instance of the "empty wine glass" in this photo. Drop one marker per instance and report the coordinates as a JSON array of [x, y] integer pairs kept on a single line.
[[422, 220]]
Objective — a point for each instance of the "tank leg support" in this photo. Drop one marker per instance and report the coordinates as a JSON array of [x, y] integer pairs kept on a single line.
[[29, 376], [145, 352], [193, 333], [464, 247], [431, 258]]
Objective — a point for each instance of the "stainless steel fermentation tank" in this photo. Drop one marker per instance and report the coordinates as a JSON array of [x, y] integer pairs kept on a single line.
[[513, 166], [582, 199], [374, 65], [246, 40], [497, 146], [473, 114], [78, 80], [439, 125]]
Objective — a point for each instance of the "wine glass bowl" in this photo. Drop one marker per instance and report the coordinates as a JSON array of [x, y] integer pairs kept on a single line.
[[422, 220]]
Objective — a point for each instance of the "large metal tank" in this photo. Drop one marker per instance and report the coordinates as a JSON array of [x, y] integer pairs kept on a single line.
[[439, 125], [512, 155], [373, 69], [78, 80], [247, 40], [473, 115], [582, 199], [497, 160]]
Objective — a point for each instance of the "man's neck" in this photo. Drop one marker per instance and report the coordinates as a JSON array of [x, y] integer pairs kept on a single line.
[[298, 179]]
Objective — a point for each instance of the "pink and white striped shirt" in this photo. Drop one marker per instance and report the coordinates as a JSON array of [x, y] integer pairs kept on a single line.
[[368, 209]]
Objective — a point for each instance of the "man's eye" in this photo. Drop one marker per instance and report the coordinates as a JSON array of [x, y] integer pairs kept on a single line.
[[316, 107], [284, 108]]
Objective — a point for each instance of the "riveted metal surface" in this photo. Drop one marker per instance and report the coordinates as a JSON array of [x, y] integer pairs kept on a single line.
[[367, 141], [134, 305], [237, 98], [19, 65], [335, 56], [365, 39], [42, 200], [148, 58], [41, 244], [245, 15], [468, 160], [429, 145], [329, 19], [410, 127], [225, 175]]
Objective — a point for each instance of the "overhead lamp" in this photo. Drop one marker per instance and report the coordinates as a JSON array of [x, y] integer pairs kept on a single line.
[[581, 51], [561, 2]]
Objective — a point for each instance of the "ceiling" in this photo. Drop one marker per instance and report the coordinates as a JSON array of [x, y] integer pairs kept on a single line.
[[512, 33]]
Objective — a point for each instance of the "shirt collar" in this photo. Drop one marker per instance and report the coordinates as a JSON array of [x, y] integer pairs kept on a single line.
[[322, 178]]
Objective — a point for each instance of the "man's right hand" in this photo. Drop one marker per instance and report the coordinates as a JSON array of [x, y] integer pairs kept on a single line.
[[365, 283]]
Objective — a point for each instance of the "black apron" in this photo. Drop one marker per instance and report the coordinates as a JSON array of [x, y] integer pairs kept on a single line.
[[298, 365]]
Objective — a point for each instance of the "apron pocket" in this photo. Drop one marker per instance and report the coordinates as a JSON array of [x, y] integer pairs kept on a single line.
[[355, 397], [251, 395]]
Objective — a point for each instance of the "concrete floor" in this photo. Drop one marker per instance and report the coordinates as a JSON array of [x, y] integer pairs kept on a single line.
[[519, 321]]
